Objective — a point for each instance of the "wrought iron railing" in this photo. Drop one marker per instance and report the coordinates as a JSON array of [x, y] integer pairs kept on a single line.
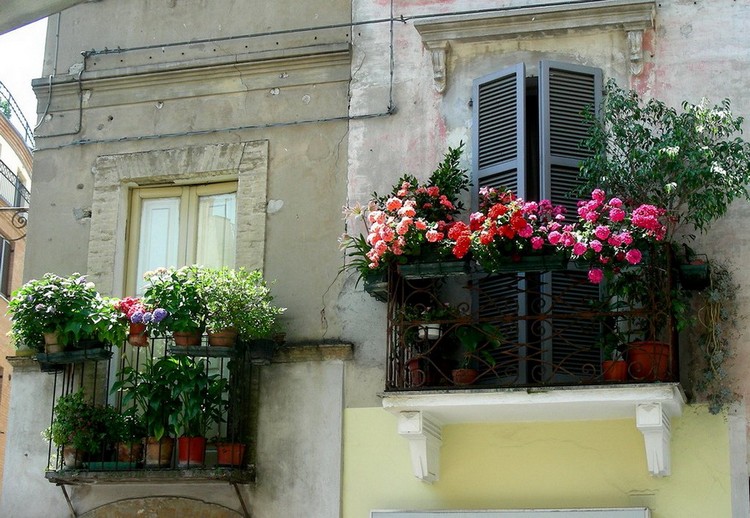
[[15, 116], [12, 191], [96, 370], [534, 325]]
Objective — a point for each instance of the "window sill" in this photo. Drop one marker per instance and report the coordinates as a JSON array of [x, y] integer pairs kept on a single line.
[[422, 415]]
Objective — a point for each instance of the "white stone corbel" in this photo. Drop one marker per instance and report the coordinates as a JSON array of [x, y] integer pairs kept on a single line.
[[424, 438], [635, 46], [654, 424], [439, 53]]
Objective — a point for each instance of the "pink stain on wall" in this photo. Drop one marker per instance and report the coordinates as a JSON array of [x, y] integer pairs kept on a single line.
[[643, 83]]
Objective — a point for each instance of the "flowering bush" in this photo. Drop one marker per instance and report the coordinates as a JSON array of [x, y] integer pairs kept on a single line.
[[178, 292], [609, 235], [413, 220], [68, 306], [136, 312], [82, 425], [507, 228]]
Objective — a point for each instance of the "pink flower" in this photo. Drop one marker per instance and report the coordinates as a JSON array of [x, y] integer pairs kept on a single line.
[[433, 236], [393, 204], [633, 256], [615, 202], [554, 237], [403, 227], [616, 215], [407, 211], [537, 242], [602, 232], [433, 190], [595, 245], [596, 275], [420, 224], [526, 232], [579, 248], [387, 234], [445, 202], [598, 195], [626, 238], [614, 240], [397, 250], [376, 216]]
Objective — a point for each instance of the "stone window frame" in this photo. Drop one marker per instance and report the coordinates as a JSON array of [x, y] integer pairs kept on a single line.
[[114, 176]]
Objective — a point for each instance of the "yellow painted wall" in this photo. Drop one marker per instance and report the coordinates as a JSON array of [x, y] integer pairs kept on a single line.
[[538, 465]]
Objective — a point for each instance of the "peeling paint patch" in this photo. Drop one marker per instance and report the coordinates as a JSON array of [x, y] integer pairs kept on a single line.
[[80, 214], [274, 206]]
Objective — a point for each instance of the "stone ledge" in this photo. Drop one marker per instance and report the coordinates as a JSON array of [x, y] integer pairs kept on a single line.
[[313, 352]]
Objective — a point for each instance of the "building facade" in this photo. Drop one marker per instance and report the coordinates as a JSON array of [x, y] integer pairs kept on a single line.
[[302, 108]]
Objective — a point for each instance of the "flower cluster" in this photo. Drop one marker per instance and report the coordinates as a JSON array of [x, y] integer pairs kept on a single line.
[[411, 222], [137, 313], [608, 234], [506, 228]]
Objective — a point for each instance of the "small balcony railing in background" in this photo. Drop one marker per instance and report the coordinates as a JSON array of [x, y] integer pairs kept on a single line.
[[541, 325], [12, 191], [95, 369]]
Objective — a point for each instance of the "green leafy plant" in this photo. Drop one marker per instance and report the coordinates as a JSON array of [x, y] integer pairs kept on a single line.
[[715, 325], [200, 394], [239, 299], [692, 162], [150, 392], [82, 425], [477, 341], [179, 292], [68, 306]]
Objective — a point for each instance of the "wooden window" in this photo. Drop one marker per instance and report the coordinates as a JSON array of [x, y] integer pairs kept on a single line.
[[527, 133]]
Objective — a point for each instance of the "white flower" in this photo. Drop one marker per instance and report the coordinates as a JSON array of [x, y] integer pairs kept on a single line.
[[717, 169]]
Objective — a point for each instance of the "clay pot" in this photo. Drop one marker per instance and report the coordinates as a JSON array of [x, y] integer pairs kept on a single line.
[[615, 370], [223, 338], [187, 338], [649, 361], [191, 452], [130, 452], [159, 453], [137, 336], [230, 453], [464, 376]]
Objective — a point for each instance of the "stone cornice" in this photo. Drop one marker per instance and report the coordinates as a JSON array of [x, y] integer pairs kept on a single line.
[[631, 16], [311, 64]]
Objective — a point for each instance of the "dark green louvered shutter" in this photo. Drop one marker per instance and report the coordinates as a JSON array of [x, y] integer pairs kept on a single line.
[[499, 149], [565, 91], [498, 131]]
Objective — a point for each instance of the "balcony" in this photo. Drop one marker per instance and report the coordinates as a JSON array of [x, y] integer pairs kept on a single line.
[[97, 372], [535, 340]]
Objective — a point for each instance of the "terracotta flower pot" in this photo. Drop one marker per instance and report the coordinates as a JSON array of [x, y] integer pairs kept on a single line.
[[191, 451], [649, 361], [615, 370], [187, 338], [159, 453], [72, 457], [52, 343], [224, 338], [464, 376], [137, 336], [230, 453], [130, 452]]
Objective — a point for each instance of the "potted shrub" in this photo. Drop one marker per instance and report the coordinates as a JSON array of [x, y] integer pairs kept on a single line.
[[61, 311], [139, 318], [129, 436], [150, 392], [477, 340], [201, 402], [178, 292], [409, 225], [238, 303], [79, 428]]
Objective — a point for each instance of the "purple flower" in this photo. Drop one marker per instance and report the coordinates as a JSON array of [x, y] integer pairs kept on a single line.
[[147, 317], [159, 315], [137, 317]]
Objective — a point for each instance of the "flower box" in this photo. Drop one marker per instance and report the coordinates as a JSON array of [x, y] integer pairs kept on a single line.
[[428, 270], [74, 356], [527, 263]]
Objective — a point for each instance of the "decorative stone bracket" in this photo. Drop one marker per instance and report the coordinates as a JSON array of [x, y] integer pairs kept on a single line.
[[631, 16], [424, 444], [654, 424], [422, 416]]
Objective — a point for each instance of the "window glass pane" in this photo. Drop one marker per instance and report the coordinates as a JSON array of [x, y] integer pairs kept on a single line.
[[159, 236], [217, 230]]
